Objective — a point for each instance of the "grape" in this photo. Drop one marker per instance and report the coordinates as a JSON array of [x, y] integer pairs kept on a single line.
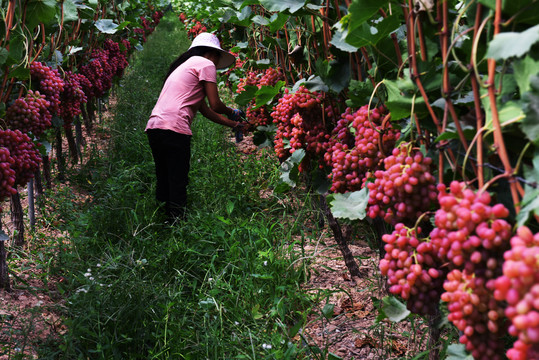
[[49, 83], [475, 313], [24, 153], [471, 235], [72, 97], [297, 116], [104, 65], [519, 286], [353, 151], [468, 230], [29, 114], [404, 189], [412, 269], [7, 174]]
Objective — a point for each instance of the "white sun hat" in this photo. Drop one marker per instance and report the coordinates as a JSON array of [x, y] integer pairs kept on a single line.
[[210, 40]]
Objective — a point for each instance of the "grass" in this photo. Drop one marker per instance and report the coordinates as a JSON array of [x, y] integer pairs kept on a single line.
[[218, 286]]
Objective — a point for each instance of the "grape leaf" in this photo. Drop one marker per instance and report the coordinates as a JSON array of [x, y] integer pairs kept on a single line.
[[524, 69], [509, 44], [351, 205], [246, 95], [40, 11], [393, 309], [361, 11], [530, 124], [106, 26], [457, 352], [266, 94], [366, 34], [282, 5]]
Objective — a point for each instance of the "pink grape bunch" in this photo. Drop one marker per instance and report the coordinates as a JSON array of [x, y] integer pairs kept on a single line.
[[469, 232], [354, 148], [250, 79], [471, 235], [7, 174], [117, 57], [298, 118], [260, 116], [475, 313], [404, 189], [412, 269], [519, 286], [30, 114], [49, 83], [73, 96], [24, 153]]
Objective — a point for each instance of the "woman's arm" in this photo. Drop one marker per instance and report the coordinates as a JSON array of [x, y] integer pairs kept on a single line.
[[209, 113], [212, 93]]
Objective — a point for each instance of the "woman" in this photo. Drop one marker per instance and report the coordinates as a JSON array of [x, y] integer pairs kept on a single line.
[[191, 79]]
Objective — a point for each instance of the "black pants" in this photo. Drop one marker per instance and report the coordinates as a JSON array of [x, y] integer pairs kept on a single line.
[[171, 153]]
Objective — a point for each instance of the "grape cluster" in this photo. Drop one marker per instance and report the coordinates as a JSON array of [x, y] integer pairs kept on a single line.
[[24, 153], [404, 189], [49, 83], [298, 118], [469, 231], [73, 96], [471, 235], [7, 174], [271, 77], [412, 269], [103, 66], [29, 114], [249, 80], [116, 57], [519, 286], [259, 116], [354, 148], [474, 311], [195, 28]]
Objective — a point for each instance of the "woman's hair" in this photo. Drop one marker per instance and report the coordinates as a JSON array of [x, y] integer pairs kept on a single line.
[[196, 51]]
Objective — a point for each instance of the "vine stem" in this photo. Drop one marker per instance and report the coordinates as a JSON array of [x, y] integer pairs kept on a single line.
[[477, 106], [498, 136]]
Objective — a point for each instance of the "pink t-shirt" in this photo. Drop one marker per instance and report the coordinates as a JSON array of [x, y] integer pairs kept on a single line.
[[181, 95]]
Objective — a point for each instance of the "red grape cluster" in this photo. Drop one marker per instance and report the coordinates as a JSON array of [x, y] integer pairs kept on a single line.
[[471, 235], [475, 312], [261, 115], [23, 151], [298, 118], [195, 28], [7, 174], [103, 66], [116, 57], [405, 189], [271, 77], [249, 80], [354, 148], [29, 114], [72, 97], [469, 230], [412, 269], [519, 286], [50, 83]]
